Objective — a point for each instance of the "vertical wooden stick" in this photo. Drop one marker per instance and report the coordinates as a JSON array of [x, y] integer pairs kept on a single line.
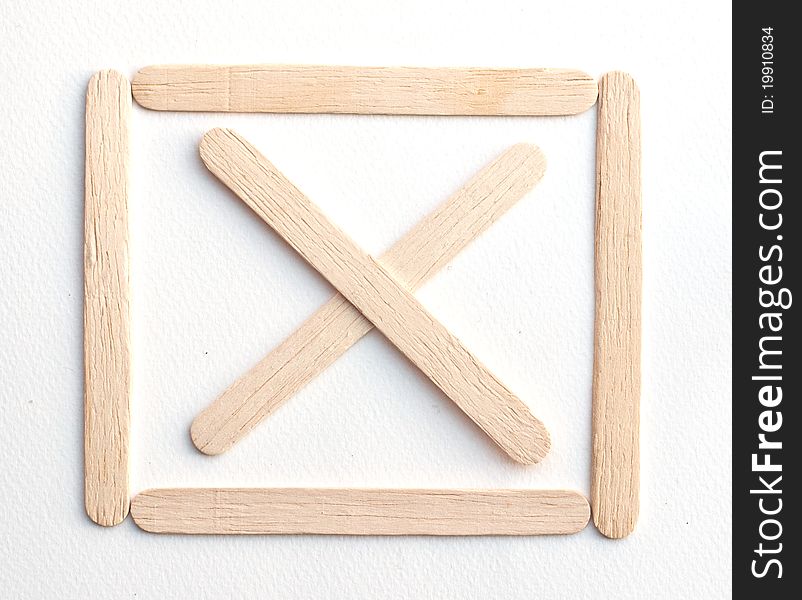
[[616, 371], [107, 353]]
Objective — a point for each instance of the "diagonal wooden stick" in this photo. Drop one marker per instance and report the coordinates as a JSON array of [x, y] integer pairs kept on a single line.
[[368, 285], [364, 90], [254, 511], [336, 326]]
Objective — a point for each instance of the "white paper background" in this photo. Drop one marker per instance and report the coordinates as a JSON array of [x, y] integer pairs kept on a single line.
[[215, 289]]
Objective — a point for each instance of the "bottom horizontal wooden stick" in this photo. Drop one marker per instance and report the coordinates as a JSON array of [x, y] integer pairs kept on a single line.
[[242, 511]]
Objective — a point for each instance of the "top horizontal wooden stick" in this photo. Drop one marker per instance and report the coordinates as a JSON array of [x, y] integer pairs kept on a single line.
[[364, 90]]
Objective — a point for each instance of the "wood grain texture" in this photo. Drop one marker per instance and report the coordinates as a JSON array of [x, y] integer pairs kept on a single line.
[[107, 347], [368, 285], [364, 90], [338, 325], [616, 372], [249, 511]]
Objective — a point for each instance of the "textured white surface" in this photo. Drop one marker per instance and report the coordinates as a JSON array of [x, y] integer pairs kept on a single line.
[[214, 289]]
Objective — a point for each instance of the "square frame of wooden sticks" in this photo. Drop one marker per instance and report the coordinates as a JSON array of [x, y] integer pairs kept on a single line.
[[372, 292]]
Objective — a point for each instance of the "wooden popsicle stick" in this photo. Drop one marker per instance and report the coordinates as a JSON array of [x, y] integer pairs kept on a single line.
[[252, 511], [107, 346], [337, 325], [369, 287], [364, 90], [616, 371]]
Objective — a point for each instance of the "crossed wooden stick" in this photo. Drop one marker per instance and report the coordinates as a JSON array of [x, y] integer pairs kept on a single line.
[[372, 292]]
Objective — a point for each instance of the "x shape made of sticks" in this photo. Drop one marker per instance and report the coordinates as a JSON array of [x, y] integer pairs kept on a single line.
[[369, 287]]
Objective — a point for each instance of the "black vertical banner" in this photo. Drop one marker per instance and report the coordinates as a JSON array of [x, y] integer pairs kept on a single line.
[[767, 300]]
